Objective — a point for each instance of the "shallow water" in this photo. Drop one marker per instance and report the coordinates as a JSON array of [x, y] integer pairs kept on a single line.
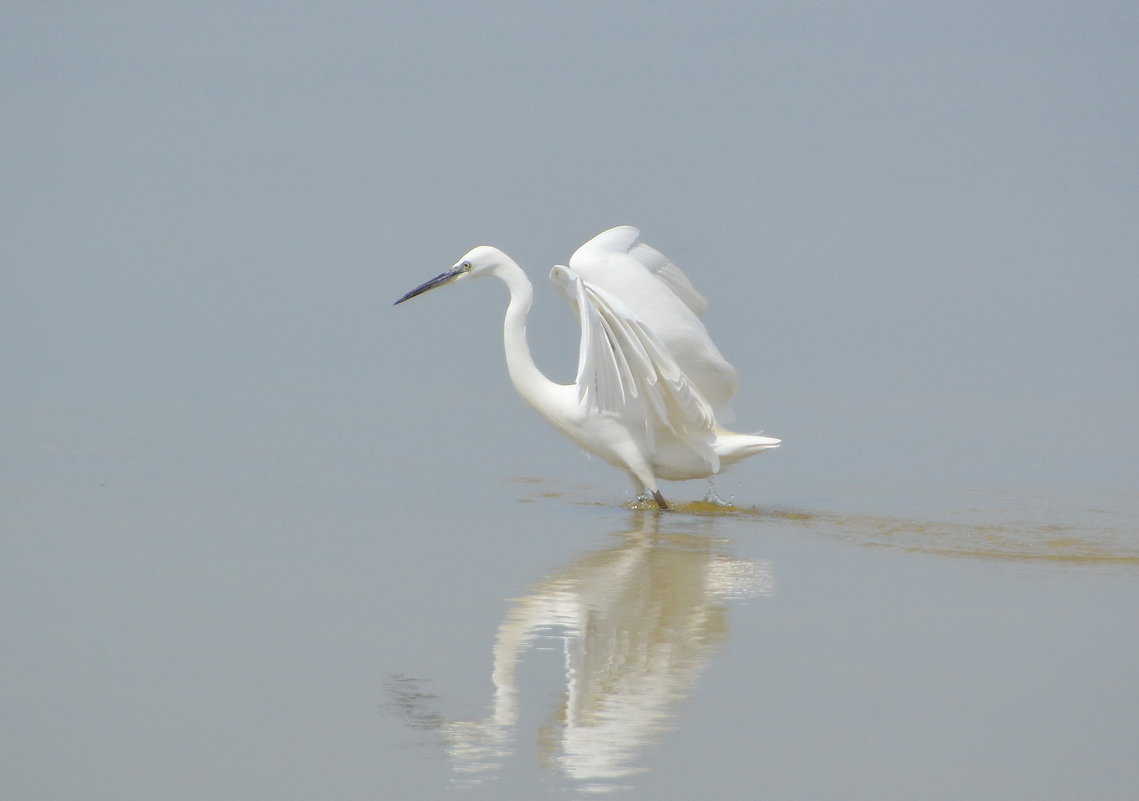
[[987, 525], [209, 631], [700, 650]]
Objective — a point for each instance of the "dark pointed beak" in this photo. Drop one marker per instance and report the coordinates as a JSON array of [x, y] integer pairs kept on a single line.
[[438, 280]]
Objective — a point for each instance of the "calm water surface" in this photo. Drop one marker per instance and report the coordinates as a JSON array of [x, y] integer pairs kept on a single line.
[[223, 636], [800, 655]]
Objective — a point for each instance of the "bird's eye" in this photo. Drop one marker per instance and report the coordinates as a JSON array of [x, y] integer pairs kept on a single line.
[[465, 265]]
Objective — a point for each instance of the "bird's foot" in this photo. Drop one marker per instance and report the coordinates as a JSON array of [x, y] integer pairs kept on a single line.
[[650, 499]]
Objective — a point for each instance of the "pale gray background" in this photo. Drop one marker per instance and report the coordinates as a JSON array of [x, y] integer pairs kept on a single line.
[[916, 224]]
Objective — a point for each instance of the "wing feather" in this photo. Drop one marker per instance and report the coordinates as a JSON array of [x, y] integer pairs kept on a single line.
[[661, 297], [599, 381], [671, 275], [625, 369], [627, 239]]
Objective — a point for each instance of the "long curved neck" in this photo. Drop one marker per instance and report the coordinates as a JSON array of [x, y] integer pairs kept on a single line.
[[527, 378]]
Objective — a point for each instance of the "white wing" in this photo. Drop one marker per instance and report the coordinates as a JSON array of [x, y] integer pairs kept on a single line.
[[625, 369], [660, 296], [625, 239]]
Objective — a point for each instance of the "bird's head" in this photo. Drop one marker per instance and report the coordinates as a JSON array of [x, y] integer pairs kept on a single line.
[[483, 260]]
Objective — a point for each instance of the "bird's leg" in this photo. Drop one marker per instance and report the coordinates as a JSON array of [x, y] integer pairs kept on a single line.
[[640, 491], [642, 494]]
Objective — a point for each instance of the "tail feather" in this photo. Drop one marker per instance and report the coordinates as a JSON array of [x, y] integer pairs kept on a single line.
[[732, 446]]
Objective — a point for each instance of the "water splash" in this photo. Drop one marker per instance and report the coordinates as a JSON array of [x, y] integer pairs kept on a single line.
[[712, 498]]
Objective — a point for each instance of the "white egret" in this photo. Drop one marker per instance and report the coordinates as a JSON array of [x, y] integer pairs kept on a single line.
[[650, 381]]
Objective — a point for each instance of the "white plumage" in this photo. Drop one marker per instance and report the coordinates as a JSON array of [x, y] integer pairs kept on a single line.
[[650, 382]]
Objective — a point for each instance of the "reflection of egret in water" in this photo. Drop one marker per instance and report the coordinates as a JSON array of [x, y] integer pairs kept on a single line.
[[637, 623]]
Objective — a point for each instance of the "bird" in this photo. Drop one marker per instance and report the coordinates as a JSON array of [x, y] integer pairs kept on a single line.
[[650, 381]]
